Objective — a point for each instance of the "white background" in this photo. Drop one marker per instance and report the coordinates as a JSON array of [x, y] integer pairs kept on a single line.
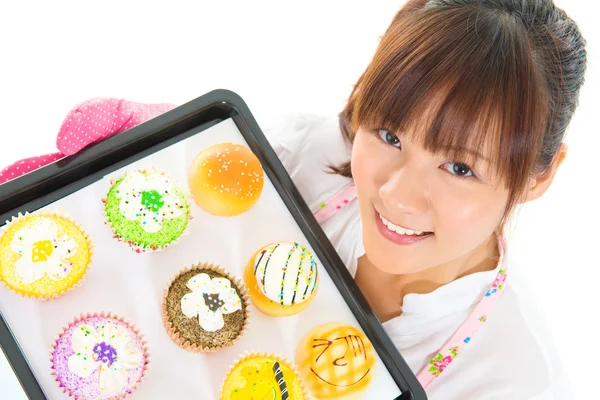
[[284, 57]]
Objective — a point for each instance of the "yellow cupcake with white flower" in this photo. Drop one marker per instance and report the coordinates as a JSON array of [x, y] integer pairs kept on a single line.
[[43, 255]]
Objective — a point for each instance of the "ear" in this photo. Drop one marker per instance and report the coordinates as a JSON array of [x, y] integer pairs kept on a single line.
[[539, 185]]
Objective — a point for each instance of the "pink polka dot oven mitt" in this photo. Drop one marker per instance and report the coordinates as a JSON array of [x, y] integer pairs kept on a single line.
[[89, 122]]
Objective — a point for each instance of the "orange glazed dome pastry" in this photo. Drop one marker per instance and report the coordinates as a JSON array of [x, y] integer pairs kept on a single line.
[[226, 179], [336, 361], [282, 278], [43, 255]]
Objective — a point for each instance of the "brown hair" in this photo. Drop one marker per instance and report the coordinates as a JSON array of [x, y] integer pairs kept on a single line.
[[505, 72]]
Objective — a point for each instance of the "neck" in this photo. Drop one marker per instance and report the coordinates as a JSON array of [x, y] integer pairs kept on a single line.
[[377, 285]]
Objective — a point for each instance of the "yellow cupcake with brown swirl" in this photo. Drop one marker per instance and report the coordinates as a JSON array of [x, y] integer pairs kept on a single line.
[[336, 361]]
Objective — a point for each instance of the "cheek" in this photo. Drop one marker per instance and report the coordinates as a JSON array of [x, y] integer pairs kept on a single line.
[[358, 161], [365, 163], [472, 216]]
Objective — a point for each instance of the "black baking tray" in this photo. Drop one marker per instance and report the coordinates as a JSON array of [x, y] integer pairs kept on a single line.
[[55, 181]]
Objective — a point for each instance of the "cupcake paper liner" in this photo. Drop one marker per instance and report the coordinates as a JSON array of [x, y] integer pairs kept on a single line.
[[82, 317], [184, 343], [139, 248], [50, 213], [281, 359]]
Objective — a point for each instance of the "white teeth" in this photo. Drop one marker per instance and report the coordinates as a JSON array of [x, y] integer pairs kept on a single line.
[[399, 230]]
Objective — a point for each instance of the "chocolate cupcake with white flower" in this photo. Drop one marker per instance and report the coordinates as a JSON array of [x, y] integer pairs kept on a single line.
[[147, 209], [205, 309]]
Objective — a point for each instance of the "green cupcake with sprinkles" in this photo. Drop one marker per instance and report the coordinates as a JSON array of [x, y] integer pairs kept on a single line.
[[147, 210]]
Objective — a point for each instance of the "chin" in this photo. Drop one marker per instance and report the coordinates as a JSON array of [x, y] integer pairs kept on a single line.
[[396, 261]]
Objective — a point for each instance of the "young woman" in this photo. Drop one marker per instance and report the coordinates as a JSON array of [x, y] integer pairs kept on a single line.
[[459, 118]]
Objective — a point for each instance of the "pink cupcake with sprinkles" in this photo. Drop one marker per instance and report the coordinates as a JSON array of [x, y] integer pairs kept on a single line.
[[100, 357]]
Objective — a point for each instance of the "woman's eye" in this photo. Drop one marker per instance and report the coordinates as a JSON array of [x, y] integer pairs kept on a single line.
[[458, 169], [388, 137]]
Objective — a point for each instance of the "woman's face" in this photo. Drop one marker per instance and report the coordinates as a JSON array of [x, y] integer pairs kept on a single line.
[[421, 210]]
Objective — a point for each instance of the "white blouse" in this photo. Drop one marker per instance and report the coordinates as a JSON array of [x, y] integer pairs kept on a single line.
[[511, 357]]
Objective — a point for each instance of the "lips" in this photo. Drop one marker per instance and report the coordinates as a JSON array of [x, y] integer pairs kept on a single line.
[[400, 230], [398, 234]]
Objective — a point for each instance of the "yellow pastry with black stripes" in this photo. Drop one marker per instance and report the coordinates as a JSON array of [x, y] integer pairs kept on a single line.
[[259, 376]]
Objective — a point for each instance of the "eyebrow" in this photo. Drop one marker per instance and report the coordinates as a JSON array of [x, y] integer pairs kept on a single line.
[[474, 153]]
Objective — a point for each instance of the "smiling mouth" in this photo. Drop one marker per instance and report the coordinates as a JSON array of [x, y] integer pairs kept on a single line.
[[339, 385], [400, 230]]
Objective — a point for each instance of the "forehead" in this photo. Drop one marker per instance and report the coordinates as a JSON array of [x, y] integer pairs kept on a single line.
[[442, 126]]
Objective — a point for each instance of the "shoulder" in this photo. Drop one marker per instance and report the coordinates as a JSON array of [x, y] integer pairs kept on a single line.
[[514, 355], [308, 145], [303, 131]]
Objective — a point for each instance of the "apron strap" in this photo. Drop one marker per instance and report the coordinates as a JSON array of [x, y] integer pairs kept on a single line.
[[335, 203], [465, 332]]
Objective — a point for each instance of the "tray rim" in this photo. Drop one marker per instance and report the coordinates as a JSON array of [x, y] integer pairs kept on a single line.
[[70, 174]]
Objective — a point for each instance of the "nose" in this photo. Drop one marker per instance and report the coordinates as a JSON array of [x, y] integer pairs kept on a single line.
[[405, 191]]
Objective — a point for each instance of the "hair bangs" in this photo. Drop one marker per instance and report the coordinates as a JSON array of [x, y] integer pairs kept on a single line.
[[459, 86]]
